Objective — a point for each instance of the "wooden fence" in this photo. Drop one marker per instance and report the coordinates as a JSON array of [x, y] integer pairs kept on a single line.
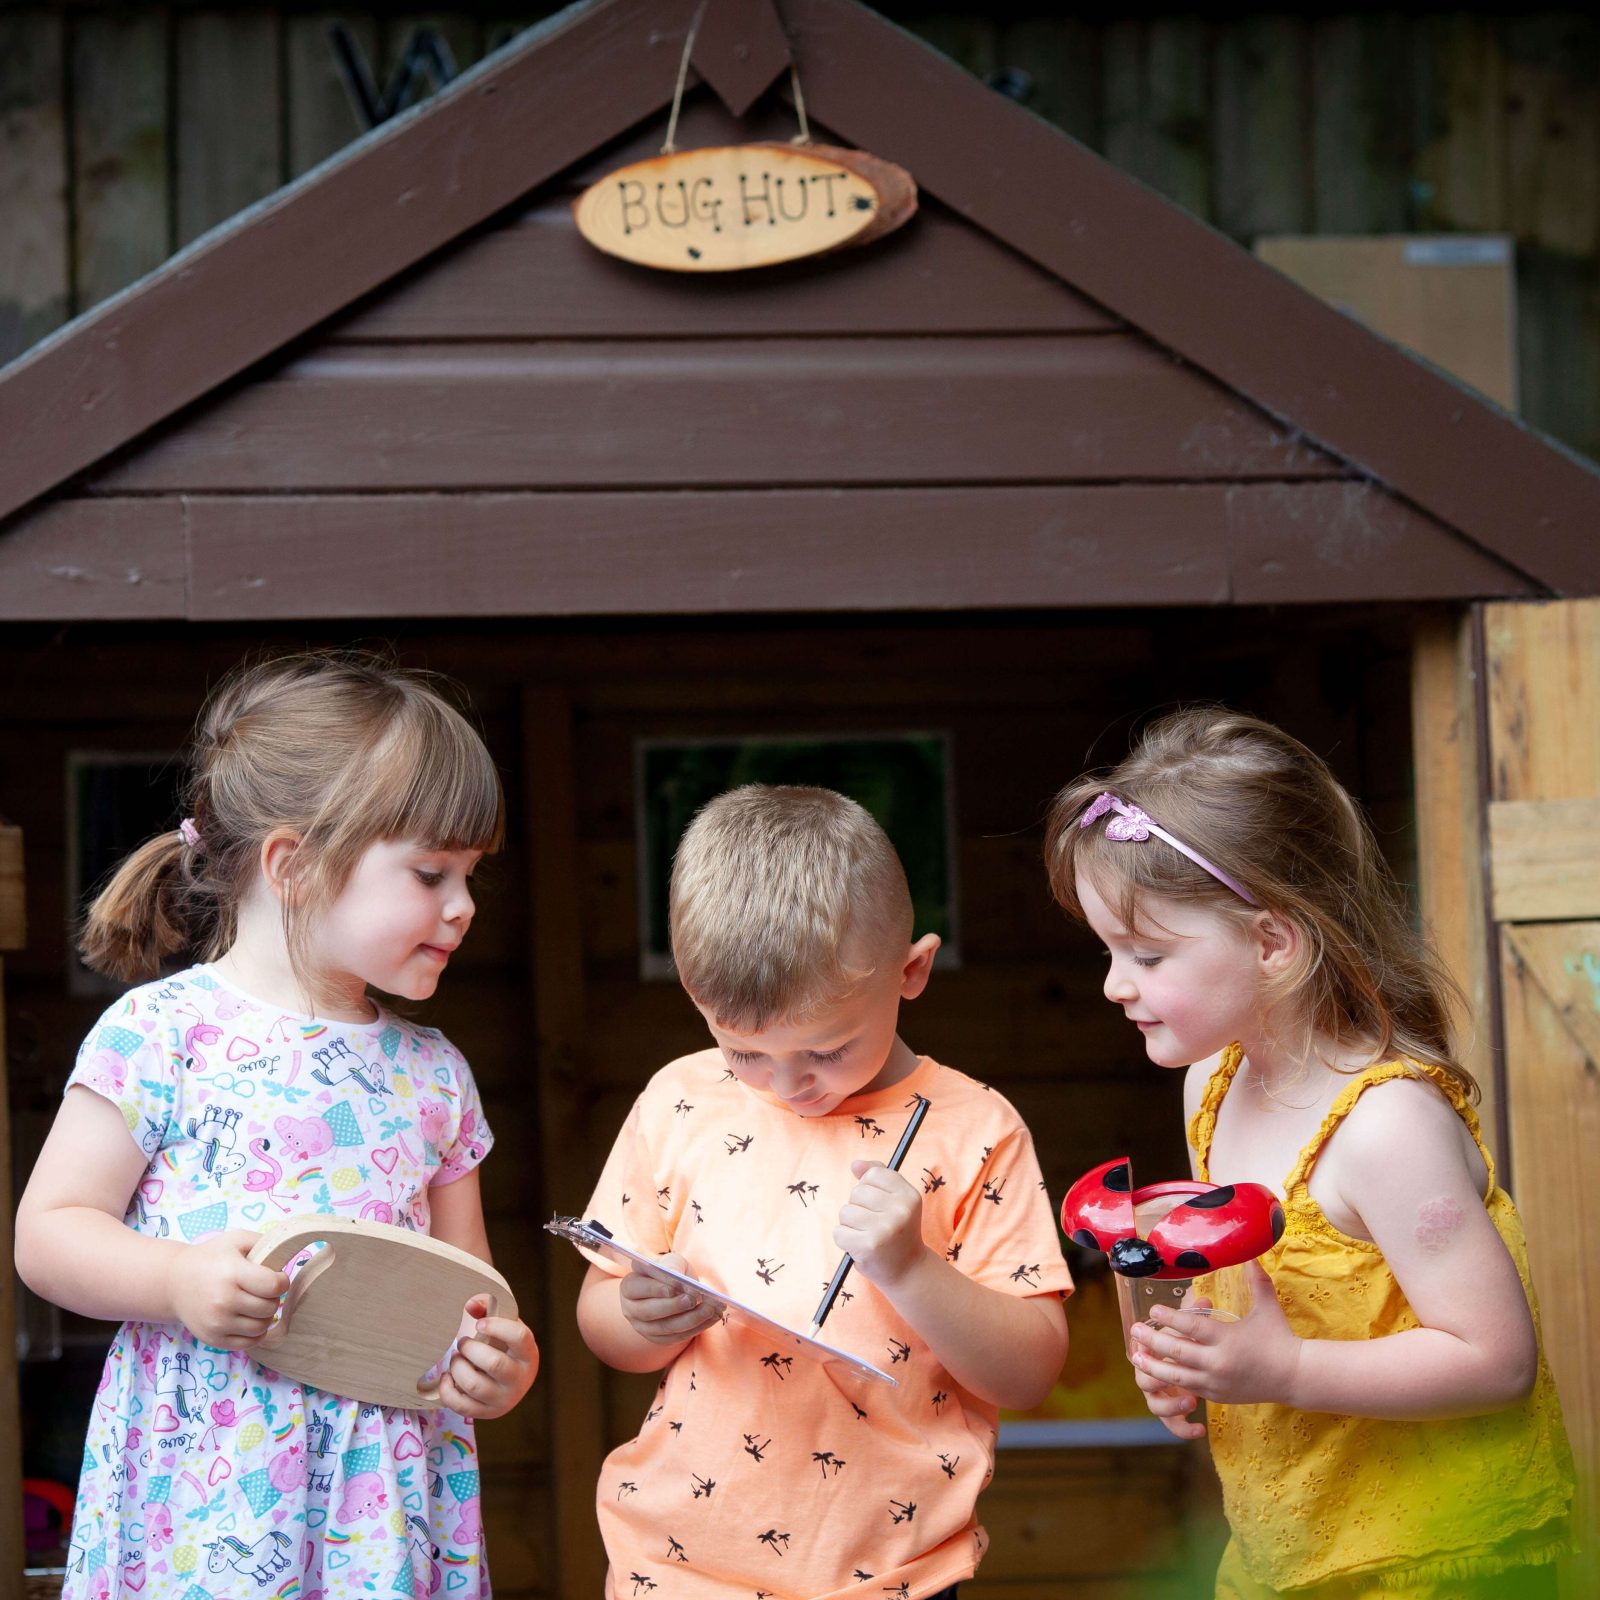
[[126, 132]]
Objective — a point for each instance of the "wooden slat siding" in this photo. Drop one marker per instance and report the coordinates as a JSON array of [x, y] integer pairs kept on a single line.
[[228, 133], [970, 41], [1262, 152], [817, 550], [35, 282], [533, 114], [825, 550], [320, 115], [1446, 755], [772, 411], [1062, 59], [1158, 124], [566, 1136], [1360, 78], [121, 203], [1546, 856], [122, 559], [1363, 543], [1543, 695], [536, 278], [11, 1534], [460, 30], [1552, 128], [1459, 164], [1079, 1527], [1505, 488], [1534, 756], [1554, 1080], [13, 936]]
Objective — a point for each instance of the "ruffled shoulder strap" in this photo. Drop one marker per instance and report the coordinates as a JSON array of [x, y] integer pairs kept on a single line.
[[1203, 1124], [1345, 1100]]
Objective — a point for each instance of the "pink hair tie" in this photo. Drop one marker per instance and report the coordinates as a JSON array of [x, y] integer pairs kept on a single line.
[[1133, 825], [189, 833]]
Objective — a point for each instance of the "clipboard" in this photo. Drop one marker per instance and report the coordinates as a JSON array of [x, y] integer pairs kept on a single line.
[[593, 1236]]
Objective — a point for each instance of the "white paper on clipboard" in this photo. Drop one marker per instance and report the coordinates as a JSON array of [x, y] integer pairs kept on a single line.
[[592, 1236]]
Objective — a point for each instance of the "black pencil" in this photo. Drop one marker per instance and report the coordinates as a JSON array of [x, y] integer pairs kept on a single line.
[[919, 1111]]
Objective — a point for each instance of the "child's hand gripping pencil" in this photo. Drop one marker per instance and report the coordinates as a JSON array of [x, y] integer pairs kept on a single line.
[[832, 1292]]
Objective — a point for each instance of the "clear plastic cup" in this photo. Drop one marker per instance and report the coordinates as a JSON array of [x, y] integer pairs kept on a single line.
[[1223, 1293]]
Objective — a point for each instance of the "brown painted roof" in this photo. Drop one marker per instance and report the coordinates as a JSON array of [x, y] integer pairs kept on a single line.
[[1482, 502]]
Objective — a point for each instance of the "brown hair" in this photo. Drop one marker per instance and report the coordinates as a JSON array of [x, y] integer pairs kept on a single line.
[[342, 749], [1270, 814], [779, 895]]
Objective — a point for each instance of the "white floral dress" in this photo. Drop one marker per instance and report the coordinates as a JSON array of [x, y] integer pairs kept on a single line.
[[206, 1476]]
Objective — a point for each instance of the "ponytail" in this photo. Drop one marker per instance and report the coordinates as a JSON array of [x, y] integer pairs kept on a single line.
[[144, 914]]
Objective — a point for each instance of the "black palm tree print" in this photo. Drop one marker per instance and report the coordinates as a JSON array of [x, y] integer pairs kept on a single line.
[[642, 1584], [938, 1401], [898, 1352], [826, 1459], [675, 1550], [627, 1487], [683, 1108], [772, 1539], [931, 1180], [1026, 1274], [765, 1271], [804, 1192], [870, 1125], [702, 1486], [778, 1365], [902, 1512], [994, 1191], [948, 1464], [738, 1143], [751, 1448]]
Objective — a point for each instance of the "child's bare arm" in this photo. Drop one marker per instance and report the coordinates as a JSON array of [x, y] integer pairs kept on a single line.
[[73, 1247], [639, 1324], [496, 1357], [1402, 1171], [1005, 1349]]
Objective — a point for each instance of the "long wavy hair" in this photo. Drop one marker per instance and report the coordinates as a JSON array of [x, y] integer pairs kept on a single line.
[[1270, 814]]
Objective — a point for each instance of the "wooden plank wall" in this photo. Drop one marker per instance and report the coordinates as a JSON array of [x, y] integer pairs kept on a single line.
[[1541, 668], [126, 131], [546, 1001]]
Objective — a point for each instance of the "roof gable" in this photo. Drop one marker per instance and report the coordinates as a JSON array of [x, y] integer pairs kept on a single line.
[[579, 82]]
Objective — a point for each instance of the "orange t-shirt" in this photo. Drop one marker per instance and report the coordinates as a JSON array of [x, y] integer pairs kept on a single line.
[[759, 1474]]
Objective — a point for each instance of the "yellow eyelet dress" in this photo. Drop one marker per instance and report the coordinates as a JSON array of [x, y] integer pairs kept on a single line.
[[1354, 1505]]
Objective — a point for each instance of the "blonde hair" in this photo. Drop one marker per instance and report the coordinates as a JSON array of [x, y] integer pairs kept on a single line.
[[778, 897], [342, 749], [1269, 813]]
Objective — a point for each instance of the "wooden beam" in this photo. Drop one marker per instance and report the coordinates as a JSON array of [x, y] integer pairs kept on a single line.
[[12, 934], [1553, 1079], [111, 560], [549, 793], [790, 550], [1546, 859], [1106, 408], [13, 901], [1446, 754]]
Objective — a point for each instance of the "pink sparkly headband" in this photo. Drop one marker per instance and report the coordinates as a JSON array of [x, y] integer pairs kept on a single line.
[[189, 833], [1131, 825]]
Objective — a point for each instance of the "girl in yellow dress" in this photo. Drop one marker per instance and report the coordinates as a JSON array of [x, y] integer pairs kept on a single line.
[[1382, 1418]]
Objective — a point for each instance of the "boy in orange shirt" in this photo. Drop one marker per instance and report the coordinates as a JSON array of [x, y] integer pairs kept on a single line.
[[754, 1164]]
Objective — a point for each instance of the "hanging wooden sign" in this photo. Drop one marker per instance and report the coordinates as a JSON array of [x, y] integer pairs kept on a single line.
[[749, 205]]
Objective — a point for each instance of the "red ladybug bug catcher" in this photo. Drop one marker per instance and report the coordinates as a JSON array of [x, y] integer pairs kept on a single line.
[[1210, 1227]]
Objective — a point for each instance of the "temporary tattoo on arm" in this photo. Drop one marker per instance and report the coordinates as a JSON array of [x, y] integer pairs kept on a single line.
[[1437, 1221]]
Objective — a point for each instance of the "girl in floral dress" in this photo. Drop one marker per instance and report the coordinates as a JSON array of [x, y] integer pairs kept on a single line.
[[339, 807]]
